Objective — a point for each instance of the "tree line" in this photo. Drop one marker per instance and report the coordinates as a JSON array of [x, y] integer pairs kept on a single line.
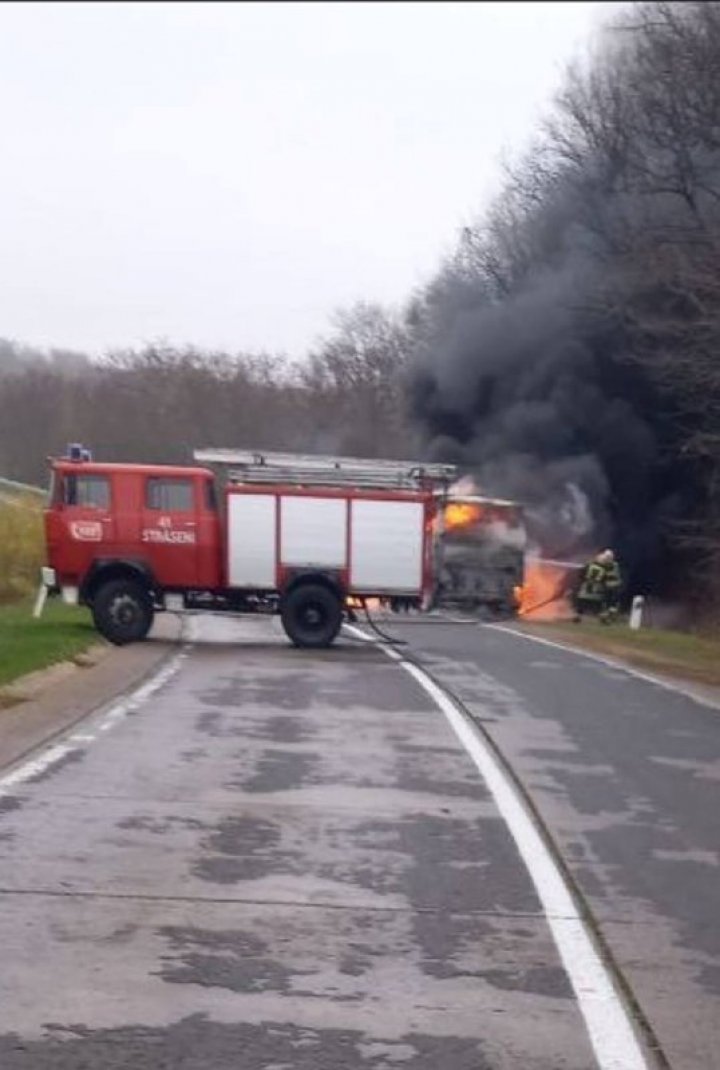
[[158, 403]]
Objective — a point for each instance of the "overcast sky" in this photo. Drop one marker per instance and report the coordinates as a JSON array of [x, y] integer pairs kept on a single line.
[[228, 174]]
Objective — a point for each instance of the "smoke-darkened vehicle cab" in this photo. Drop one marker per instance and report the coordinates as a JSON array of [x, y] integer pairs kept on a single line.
[[481, 544], [290, 533]]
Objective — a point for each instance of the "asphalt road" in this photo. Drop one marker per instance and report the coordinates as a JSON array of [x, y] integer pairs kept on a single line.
[[279, 860], [626, 775]]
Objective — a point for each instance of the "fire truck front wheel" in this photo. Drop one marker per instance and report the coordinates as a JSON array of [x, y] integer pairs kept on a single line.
[[122, 611], [311, 615]]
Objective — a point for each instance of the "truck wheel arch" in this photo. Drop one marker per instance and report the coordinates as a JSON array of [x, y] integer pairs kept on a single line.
[[317, 578], [103, 572]]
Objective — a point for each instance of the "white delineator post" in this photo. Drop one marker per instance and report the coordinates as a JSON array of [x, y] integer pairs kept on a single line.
[[40, 601], [47, 580], [636, 612]]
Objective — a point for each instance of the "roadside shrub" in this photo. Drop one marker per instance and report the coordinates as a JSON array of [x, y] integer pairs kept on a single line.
[[22, 546]]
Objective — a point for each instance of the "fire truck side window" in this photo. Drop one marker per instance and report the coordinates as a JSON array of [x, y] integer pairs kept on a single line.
[[87, 491], [169, 495]]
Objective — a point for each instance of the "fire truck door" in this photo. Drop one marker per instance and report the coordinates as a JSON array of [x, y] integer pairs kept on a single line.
[[88, 526], [169, 529]]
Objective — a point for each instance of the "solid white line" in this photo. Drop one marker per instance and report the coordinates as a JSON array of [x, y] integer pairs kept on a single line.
[[612, 663], [608, 1023]]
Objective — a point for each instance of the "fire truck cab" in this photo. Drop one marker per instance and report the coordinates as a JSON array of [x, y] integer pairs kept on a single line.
[[290, 533]]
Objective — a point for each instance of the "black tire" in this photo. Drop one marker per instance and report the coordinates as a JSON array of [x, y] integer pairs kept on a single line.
[[122, 611], [311, 615]]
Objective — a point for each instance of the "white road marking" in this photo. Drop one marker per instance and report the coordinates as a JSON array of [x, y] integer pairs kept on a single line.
[[35, 766], [107, 720], [606, 1018], [613, 663]]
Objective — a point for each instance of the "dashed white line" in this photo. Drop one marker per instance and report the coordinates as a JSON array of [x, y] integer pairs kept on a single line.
[[606, 1018], [105, 722], [35, 766]]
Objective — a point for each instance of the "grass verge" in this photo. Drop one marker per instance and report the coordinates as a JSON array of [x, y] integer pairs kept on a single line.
[[681, 654], [27, 644]]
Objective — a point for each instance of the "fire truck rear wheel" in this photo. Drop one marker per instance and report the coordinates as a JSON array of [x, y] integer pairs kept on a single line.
[[311, 615], [122, 611]]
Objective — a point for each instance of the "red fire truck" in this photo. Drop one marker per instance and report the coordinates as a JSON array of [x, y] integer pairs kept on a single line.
[[301, 535]]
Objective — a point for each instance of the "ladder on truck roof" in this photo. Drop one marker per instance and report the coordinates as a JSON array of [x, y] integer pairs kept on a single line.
[[458, 498], [310, 469]]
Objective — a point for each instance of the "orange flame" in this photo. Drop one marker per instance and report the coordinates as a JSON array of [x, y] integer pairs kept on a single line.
[[372, 604], [461, 515], [543, 595]]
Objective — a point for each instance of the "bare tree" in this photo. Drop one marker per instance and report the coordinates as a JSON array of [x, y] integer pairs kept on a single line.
[[354, 380]]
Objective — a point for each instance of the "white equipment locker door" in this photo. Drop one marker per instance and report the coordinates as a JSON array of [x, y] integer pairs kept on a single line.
[[313, 531], [252, 541], [387, 546]]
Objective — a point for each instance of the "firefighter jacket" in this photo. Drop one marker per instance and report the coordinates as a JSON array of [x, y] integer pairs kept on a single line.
[[593, 583], [613, 580]]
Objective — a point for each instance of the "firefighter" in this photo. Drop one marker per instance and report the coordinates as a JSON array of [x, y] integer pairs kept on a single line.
[[599, 589], [588, 595], [612, 582]]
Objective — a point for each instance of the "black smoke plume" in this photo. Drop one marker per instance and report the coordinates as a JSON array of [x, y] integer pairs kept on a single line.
[[530, 395]]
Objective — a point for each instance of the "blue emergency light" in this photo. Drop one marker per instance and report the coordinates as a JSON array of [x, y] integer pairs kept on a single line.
[[77, 452]]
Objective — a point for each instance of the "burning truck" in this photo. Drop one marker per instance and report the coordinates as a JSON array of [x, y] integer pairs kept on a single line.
[[480, 554]]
